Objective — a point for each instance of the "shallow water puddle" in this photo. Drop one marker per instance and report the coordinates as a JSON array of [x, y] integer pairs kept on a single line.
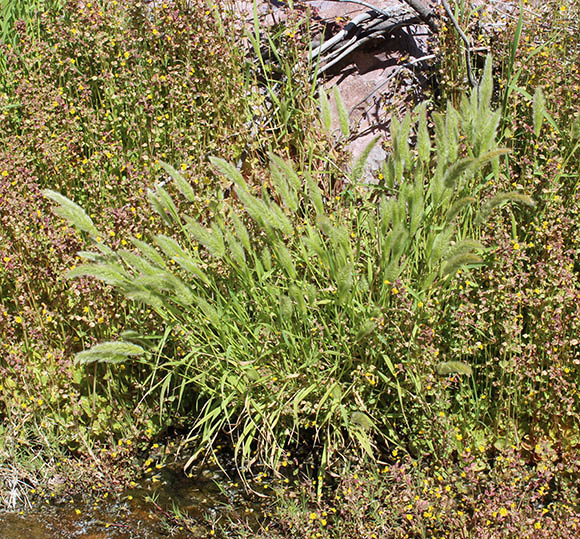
[[146, 511]]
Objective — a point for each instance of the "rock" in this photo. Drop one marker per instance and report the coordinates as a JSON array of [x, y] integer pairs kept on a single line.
[[366, 77]]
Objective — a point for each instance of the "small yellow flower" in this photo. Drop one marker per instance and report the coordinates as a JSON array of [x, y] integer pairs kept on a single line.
[[503, 512], [313, 516]]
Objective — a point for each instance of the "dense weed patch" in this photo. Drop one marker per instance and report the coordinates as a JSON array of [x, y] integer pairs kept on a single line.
[[466, 495], [426, 327], [92, 95], [293, 321], [506, 446]]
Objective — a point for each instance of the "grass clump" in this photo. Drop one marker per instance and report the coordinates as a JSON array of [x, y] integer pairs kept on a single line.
[[289, 323]]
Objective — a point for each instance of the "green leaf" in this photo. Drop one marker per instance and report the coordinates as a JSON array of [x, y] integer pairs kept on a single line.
[[342, 113], [72, 212], [362, 420], [229, 171], [315, 195], [182, 184], [288, 170], [211, 239], [423, 138], [458, 205], [539, 110], [454, 367], [359, 165], [458, 261], [112, 274], [455, 171], [500, 199], [109, 352], [325, 115]]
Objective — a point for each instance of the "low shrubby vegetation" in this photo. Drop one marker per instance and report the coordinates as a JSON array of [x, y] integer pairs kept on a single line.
[[461, 495], [407, 351]]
